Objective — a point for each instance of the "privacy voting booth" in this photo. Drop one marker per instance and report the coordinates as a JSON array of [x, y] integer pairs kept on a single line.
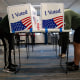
[[52, 15], [23, 18]]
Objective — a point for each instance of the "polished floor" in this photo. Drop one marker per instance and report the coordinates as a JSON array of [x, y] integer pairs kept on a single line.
[[42, 63]]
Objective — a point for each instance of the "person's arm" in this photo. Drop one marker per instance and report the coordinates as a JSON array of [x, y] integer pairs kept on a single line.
[[4, 25]]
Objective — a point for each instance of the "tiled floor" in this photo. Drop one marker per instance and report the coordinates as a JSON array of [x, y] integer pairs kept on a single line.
[[42, 64]]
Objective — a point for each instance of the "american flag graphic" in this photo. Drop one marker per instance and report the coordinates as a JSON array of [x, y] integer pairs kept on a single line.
[[53, 23], [22, 24]]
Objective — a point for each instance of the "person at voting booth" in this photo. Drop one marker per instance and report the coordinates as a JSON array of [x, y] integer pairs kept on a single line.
[[7, 39], [72, 20]]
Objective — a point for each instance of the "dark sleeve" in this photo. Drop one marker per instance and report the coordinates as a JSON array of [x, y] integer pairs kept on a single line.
[[4, 25]]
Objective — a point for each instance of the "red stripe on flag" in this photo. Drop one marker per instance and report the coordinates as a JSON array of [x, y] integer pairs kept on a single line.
[[58, 17], [30, 27], [28, 24], [60, 26], [59, 23], [26, 20]]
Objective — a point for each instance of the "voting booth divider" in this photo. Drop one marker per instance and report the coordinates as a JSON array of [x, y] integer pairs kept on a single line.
[[52, 15], [23, 18]]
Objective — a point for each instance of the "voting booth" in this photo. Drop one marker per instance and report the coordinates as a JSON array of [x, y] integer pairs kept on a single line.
[[22, 18], [52, 15]]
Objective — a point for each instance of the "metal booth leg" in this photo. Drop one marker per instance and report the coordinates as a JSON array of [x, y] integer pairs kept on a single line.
[[67, 57], [18, 45], [27, 44]]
